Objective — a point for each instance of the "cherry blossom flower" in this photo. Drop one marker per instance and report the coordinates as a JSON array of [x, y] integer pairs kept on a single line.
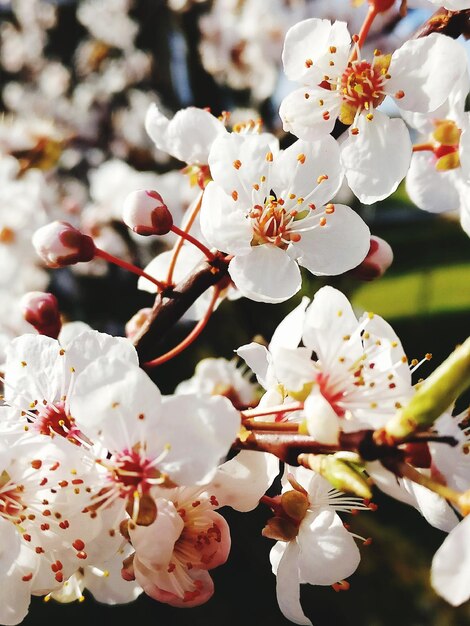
[[102, 579], [358, 377], [439, 176], [44, 530], [335, 84], [40, 375], [174, 553], [221, 377], [269, 209], [314, 547], [189, 537], [146, 440]]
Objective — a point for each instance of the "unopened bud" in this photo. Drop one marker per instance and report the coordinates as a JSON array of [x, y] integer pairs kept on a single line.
[[146, 213], [134, 325], [378, 260], [60, 244], [41, 310]]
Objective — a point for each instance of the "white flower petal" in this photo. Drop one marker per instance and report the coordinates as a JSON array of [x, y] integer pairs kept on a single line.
[[188, 136], [376, 159], [242, 481], [16, 561], [91, 345], [294, 367], [426, 69], [309, 111], [328, 319], [433, 508], [428, 188], [223, 221], [312, 40], [328, 552], [320, 158], [287, 582], [154, 544], [289, 332], [266, 274], [115, 401], [200, 430], [112, 589], [258, 360], [238, 161], [450, 571], [322, 422], [338, 246], [34, 370]]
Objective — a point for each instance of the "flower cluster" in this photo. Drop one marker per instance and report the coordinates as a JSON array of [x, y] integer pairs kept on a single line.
[[113, 485]]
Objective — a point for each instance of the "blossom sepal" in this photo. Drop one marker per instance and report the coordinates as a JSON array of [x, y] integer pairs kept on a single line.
[[433, 397], [341, 473]]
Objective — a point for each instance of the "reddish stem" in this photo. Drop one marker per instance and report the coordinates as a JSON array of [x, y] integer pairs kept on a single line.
[[361, 37], [179, 243], [272, 410], [130, 267], [184, 235], [194, 334], [289, 427]]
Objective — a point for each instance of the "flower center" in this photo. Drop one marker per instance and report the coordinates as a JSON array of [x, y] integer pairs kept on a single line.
[[331, 395], [271, 223], [133, 472], [53, 417], [361, 87]]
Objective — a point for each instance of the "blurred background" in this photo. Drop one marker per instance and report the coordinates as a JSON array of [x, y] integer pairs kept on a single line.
[[76, 81]]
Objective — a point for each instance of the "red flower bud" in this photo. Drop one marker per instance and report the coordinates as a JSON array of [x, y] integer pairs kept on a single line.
[[378, 260], [146, 213], [60, 244], [41, 310]]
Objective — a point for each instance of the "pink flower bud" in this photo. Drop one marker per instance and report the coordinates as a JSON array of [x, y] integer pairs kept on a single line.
[[378, 260], [146, 213], [41, 310], [60, 244], [136, 322]]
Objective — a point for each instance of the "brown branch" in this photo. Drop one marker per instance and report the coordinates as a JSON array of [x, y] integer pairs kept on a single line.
[[288, 446], [172, 304], [450, 23]]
